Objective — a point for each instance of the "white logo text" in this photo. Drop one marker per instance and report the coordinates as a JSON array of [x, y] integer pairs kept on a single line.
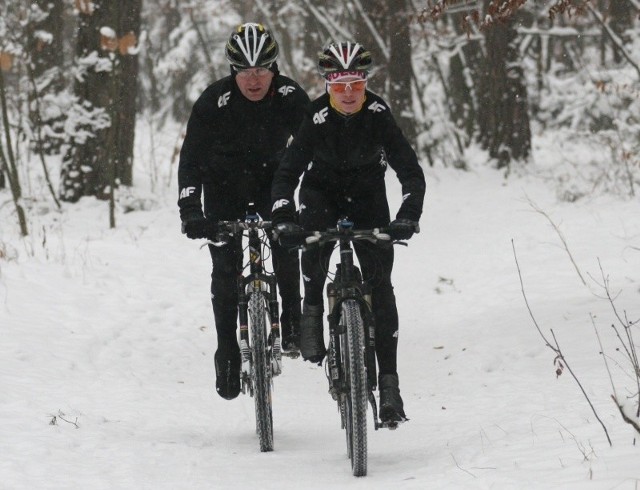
[[320, 116], [223, 99], [186, 192], [279, 203], [376, 107], [286, 89]]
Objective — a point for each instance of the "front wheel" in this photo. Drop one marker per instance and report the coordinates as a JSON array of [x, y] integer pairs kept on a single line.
[[261, 371], [353, 353]]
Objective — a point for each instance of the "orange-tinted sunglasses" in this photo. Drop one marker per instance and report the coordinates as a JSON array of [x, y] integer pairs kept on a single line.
[[353, 85]]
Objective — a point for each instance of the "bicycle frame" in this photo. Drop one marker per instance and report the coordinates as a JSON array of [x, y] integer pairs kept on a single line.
[[351, 361], [258, 281], [260, 349], [348, 284]]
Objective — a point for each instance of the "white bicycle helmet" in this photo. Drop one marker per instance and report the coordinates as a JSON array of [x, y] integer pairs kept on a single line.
[[251, 45]]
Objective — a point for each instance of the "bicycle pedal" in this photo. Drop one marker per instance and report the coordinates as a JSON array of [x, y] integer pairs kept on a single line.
[[276, 367], [245, 369]]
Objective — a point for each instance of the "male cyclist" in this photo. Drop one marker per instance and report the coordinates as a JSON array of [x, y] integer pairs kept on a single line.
[[343, 148], [236, 134]]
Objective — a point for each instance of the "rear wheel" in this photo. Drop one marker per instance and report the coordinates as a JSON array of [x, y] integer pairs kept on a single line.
[[353, 352], [261, 371]]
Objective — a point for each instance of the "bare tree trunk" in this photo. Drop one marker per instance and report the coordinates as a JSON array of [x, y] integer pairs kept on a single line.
[[83, 172], [372, 30], [613, 37], [47, 53], [44, 68], [46, 73], [503, 116], [107, 33], [401, 70], [127, 88], [383, 28], [9, 163], [460, 82], [603, 36], [621, 15]]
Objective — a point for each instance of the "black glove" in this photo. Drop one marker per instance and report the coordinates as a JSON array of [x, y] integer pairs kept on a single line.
[[287, 234], [403, 229], [283, 212], [199, 227]]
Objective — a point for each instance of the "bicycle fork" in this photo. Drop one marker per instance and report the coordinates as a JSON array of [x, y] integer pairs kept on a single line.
[[246, 288], [336, 294], [274, 336], [245, 350], [267, 284]]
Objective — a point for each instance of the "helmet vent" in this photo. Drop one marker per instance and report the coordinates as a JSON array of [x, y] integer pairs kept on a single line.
[[250, 46], [348, 51]]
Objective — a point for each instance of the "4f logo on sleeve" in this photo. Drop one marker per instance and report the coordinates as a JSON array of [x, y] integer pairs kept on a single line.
[[186, 192], [223, 99], [383, 159], [320, 116], [286, 89], [376, 107], [279, 203]]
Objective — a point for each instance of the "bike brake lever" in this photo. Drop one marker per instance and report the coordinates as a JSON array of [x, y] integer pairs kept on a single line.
[[312, 239], [220, 243]]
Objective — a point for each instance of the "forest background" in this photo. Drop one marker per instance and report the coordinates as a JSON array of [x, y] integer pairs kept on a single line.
[[77, 79], [525, 117]]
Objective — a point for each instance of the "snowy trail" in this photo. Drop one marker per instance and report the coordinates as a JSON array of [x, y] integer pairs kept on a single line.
[[113, 329]]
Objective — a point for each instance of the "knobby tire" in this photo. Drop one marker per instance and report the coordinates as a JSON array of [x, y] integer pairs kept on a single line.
[[356, 376], [261, 371]]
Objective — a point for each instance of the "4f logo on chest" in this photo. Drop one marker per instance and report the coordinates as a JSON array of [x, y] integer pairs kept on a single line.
[[286, 90], [376, 107], [223, 99], [320, 116]]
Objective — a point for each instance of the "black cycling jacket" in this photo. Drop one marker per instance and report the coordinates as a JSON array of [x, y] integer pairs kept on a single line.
[[347, 156], [233, 146]]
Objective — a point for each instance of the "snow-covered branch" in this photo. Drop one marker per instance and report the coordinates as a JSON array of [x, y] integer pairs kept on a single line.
[[614, 37]]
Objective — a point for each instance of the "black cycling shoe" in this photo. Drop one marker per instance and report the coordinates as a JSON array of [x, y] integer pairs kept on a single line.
[[227, 363], [391, 406], [291, 344]]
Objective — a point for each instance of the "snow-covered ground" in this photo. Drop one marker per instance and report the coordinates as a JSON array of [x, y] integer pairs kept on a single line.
[[107, 342]]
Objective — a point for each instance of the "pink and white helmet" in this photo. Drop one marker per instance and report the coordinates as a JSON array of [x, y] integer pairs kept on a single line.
[[344, 57]]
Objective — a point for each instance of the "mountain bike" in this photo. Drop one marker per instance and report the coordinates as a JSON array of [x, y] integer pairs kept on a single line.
[[258, 315], [351, 358]]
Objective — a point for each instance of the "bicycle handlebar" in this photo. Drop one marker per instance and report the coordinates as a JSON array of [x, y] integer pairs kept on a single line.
[[220, 229], [308, 239], [239, 226]]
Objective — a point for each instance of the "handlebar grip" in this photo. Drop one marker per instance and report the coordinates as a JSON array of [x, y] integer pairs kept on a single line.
[[295, 238]]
